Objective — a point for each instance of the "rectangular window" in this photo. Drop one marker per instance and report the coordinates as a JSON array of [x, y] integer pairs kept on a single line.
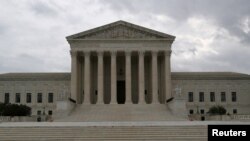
[[50, 112], [190, 97], [18, 97], [202, 111], [191, 112], [223, 96], [50, 98], [234, 98], [6, 98], [234, 111], [201, 96], [212, 96], [28, 98], [39, 112], [39, 98]]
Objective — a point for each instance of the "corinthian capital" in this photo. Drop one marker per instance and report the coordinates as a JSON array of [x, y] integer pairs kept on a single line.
[[141, 52], [113, 53], [73, 52], [167, 52]]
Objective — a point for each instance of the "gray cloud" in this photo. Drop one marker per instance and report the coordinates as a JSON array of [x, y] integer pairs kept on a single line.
[[42, 8], [227, 13], [211, 35]]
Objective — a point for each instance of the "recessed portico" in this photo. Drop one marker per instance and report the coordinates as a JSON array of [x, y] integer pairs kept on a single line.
[[120, 63]]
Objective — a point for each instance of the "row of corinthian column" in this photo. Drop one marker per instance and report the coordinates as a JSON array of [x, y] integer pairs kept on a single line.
[[100, 77]]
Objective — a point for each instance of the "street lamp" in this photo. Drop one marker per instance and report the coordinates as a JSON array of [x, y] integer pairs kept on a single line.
[[44, 110]]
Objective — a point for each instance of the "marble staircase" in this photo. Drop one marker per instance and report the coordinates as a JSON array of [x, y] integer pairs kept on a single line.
[[120, 112], [97, 131]]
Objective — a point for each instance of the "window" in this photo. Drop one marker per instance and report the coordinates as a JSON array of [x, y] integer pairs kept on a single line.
[[190, 97], [212, 97], [50, 98], [191, 112], [234, 98], [201, 96], [50, 112], [39, 98], [203, 118], [39, 119], [28, 98], [7, 98], [18, 98], [234, 111], [39, 112], [202, 111], [223, 96]]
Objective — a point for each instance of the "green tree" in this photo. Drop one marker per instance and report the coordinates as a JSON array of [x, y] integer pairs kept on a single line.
[[14, 110], [217, 110]]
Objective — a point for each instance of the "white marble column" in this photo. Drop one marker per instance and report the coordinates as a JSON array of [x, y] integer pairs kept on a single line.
[[141, 78], [128, 77], [113, 78], [100, 78], [74, 75], [87, 77], [154, 77], [168, 84]]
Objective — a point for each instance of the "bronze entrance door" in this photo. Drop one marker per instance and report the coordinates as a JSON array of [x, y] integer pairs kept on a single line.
[[120, 92]]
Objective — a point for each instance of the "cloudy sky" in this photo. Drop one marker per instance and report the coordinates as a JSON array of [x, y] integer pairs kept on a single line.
[[212, 35]]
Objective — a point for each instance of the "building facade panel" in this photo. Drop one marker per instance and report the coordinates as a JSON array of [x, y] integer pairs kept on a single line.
[[122, 63]]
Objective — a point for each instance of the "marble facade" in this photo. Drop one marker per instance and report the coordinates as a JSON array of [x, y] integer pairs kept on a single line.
[[126, 64], [120, 52]]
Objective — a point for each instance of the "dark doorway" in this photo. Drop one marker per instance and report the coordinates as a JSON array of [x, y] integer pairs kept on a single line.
[[202, 118], [121, 92]]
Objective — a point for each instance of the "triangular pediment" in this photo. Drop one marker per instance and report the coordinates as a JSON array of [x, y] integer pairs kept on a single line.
[[120, 30]]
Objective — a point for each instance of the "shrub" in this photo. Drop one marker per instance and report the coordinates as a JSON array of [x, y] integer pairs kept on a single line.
[[14, 110], [217, 110]]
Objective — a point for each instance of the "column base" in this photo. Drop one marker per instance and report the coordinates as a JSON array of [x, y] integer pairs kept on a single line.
[[100, 103], [128, 102]]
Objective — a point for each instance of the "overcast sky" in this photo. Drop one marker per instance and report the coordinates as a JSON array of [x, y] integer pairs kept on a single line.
[[211, 35]]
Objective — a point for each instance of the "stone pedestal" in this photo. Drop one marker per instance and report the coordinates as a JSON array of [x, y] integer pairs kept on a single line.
[[178, 107], [63, 108]]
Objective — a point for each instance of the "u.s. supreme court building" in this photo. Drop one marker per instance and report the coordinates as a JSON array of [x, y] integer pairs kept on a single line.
[[122, 71]]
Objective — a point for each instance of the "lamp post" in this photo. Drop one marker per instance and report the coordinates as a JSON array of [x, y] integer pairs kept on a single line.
[[44, 110], [1, 116], [197, 108]]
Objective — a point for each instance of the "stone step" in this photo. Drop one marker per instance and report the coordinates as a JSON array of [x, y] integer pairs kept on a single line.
[[94, 128], [108, 139], [121, 112], [120, 133], [97, 131], [166, 131]]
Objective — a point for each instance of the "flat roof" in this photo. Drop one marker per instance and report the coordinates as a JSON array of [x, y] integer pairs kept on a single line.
[[65, 76]]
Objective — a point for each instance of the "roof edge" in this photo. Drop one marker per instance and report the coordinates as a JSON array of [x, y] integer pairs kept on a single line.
[[120, 22]]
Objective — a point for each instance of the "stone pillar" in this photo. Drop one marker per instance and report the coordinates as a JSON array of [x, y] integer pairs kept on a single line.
[[74, 76], [141, 78], [168, 84], [128, 77], [113, 78], [87, 77], [100, 80], [154, 78]]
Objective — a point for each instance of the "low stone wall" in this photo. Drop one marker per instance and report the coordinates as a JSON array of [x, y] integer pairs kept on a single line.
[[198, 117], [23, 118], [241, 117], [219, 118]]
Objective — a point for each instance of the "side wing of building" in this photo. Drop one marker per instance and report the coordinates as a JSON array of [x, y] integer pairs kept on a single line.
[[202, 90], [40, 91]]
